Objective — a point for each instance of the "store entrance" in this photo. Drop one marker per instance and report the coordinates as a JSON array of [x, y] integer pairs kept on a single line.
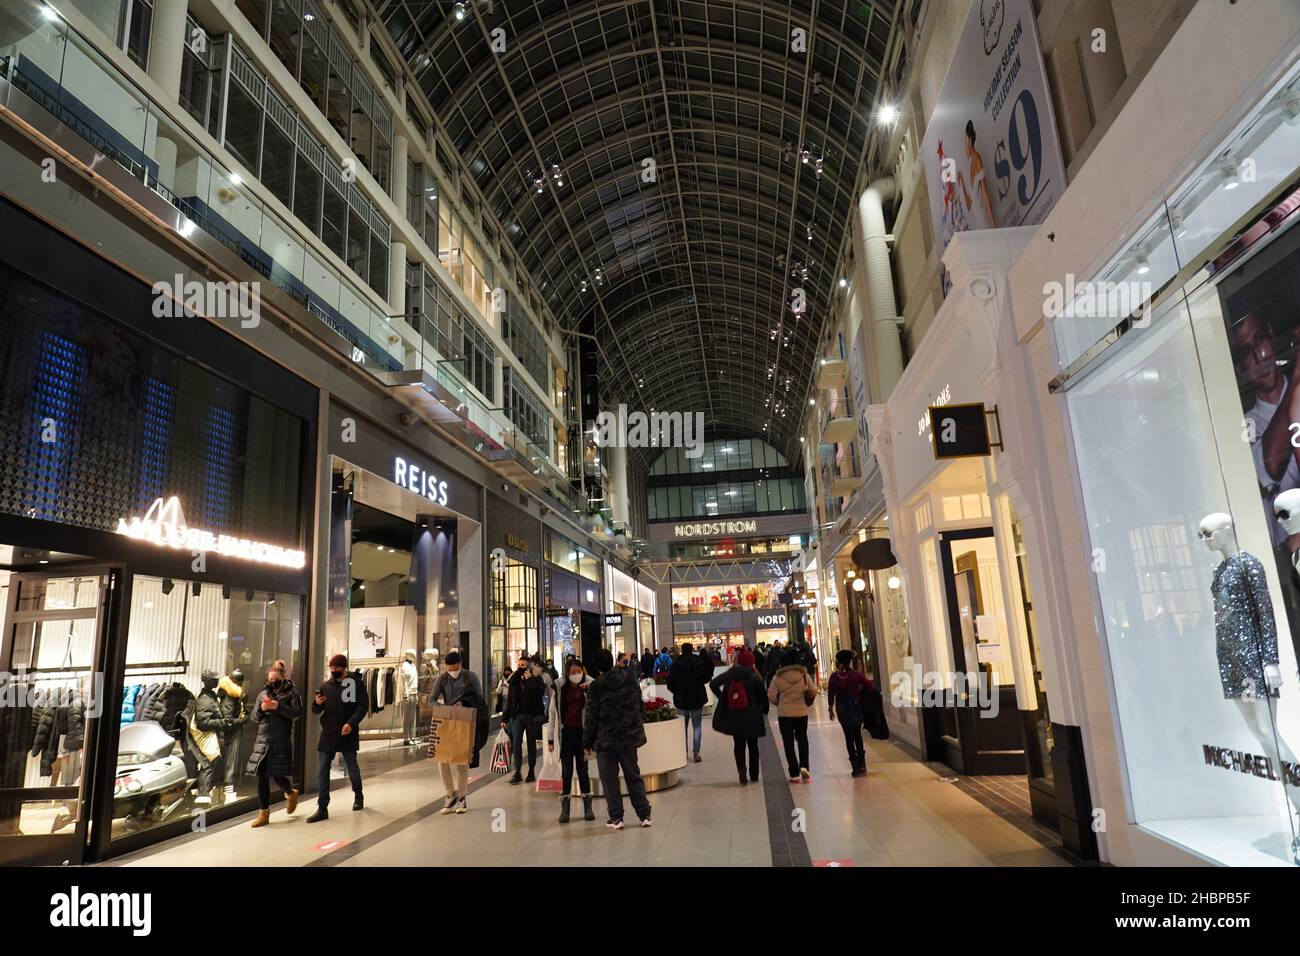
[[53, 655], [981, 728]]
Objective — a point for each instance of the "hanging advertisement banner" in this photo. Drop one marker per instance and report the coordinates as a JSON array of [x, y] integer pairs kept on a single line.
[[991, 152]]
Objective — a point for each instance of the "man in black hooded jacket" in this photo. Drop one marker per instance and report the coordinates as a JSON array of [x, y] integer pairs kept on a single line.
[[342, 703], [613, 727]]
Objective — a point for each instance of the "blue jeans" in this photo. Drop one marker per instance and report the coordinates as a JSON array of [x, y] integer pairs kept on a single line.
[[324, 761], [695, 717]]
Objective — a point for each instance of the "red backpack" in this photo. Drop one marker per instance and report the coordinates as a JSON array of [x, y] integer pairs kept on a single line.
[[737, 696]]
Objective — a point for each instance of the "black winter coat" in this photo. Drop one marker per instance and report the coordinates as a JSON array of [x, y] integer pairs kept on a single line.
[[614, 718], [751, 722], [524, 698], [57, 721], [687, 679], [275, 730], [168, 708], [345, 703], [648, 664]]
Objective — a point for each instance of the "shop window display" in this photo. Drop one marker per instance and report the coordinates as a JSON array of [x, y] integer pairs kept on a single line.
[[196, 655], [717, 598], [1198, 582]]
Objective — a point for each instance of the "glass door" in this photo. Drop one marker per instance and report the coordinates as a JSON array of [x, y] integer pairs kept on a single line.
[[52, 654], [981, 702]]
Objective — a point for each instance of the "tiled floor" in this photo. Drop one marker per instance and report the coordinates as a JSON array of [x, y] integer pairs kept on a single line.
[[1008, 797], [899, 814]]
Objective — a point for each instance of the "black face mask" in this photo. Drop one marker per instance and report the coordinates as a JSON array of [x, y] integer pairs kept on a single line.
[[336, 676], [277, 683]]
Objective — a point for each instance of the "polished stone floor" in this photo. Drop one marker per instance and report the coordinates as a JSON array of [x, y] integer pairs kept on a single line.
[[903, 813]]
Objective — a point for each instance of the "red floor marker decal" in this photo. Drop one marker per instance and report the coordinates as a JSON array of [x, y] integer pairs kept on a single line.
[[330, 845], [833, 863]]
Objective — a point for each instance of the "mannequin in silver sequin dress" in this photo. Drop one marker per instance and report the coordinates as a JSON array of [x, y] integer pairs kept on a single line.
[[1245, 639]]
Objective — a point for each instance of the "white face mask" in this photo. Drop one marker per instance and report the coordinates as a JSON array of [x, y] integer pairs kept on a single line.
[[575, 678], [453, 673]]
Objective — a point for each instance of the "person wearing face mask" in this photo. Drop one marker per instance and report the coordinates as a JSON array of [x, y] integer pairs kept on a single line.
[[524, 713], [568, 704], [277, 706], [341, 702], [457, 686]]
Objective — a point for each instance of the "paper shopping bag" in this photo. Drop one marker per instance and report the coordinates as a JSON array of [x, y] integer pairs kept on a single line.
[[501, 753], [451, 734], [549, 779]]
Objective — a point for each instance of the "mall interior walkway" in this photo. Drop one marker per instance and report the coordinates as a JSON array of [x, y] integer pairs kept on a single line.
[[903, 813]]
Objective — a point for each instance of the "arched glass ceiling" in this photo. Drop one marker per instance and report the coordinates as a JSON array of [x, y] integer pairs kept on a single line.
[[678, 128]]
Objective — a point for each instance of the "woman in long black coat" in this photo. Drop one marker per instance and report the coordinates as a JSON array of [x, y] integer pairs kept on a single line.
[[746, 724], [276, 708]]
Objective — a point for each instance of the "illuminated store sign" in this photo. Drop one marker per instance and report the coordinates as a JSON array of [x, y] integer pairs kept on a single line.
[[423, 482], [715, 527], [164, 525], [771, 620]]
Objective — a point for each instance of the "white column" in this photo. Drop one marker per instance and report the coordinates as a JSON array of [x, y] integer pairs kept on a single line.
[[401, 152], [167, 44], [618, 478]]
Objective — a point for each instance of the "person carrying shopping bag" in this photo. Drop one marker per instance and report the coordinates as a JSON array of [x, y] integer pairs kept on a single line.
[[458, 686], [568, 706], [793, 691]]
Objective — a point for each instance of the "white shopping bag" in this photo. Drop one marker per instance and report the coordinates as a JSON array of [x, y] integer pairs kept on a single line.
[[501, 752], [550, 780]]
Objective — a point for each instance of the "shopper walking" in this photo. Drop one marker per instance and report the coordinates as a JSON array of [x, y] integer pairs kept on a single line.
[[342, 704], [663, 662], [773, 662], [277, 706], [647, 663], [844, 697], [613, 728], [568, 707], [740, 711], [687, 679], [793, 691], [457, 686], [524, 713]]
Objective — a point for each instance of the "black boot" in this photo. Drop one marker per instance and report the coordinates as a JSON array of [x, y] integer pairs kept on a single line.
[[587, 812], [320, 814], [564, 808], [358, 803]]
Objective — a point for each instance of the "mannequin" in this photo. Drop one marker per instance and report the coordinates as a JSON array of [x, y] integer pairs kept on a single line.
[[408, 686], [1246, 643], [234, 707]]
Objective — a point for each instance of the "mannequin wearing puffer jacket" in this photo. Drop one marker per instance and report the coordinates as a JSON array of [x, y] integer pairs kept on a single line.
[[276, 708], [58, 718], [206, 732], [234, 707]]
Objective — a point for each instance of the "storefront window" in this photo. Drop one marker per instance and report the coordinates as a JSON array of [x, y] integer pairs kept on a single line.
[[717, 598], [196, 658], [1189, 479], [513, 615]]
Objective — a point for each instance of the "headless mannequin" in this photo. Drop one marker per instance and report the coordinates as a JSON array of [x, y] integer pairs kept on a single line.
[[1257, 706]]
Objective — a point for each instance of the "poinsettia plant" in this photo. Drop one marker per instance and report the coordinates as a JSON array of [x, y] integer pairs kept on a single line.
[[657, 709]]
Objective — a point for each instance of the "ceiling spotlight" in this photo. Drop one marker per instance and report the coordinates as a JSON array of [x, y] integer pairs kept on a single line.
[[817, 166], [805, 156], [888, 114], [812, 401], [458, 11], [584, 285], [557, 174], [859, 584], [809, 230], [1143, 265], [801, 439], [844, 283]]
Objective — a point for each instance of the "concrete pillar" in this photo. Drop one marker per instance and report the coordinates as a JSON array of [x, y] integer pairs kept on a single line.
[[167, 44], [398, 181]]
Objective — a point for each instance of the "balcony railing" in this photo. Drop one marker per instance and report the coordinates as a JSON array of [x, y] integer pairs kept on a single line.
[[64, 74], [836, 421]]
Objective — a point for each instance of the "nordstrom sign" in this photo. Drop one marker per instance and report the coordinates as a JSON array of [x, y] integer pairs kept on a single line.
[[714, 527]]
